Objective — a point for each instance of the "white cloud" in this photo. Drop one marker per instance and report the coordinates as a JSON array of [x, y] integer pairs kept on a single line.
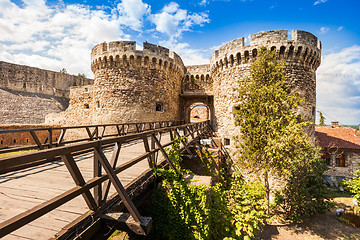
[[62, 36], [338, 86], [324, 30], [340, 28], [132, 12], [320, 1], [189, 55], [173, 20]]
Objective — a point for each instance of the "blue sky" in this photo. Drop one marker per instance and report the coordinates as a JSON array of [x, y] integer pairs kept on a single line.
[[60, 34]]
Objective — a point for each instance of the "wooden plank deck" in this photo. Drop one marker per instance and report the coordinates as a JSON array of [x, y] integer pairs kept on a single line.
[[24, 189]]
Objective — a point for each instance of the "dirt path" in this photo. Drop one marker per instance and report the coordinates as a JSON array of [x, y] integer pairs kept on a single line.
[[324, 226]]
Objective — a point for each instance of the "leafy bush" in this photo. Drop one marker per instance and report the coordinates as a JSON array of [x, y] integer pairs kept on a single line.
[[353, 185], [305, 190], [184, 211]]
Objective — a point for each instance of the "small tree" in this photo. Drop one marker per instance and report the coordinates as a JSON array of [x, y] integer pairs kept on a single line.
[[272, 134], [63, 71], [322, 119]]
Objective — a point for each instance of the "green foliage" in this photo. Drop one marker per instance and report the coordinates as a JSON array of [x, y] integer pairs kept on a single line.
[[305, 190], [239, 212], [322, 119], [271, 130], [233, 208], [353, 185], [273, 140], [63, 71], [81, 75]]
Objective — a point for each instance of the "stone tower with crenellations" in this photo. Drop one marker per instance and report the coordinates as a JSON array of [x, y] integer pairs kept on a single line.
[[153, 84]]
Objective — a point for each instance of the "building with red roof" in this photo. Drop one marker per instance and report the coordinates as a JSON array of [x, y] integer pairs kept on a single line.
[[341, 149]]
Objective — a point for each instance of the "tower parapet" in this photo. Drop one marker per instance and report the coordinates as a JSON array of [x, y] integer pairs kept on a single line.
[[124, 53], [303, 48]]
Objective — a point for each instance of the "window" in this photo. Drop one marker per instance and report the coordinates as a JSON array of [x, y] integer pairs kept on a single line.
[[159, 107], [326, 158], [86, 105], [340, 160], [226, 141]]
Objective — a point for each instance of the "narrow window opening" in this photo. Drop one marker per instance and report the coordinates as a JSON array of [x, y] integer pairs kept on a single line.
[[226, 141], [27, 140], [98, 104], [1, 142], [14, 141], [86, 105], [159, 107]]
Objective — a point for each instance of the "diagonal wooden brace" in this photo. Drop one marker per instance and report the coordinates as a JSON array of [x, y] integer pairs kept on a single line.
[[117, 184], [166, 156], [78, 179]]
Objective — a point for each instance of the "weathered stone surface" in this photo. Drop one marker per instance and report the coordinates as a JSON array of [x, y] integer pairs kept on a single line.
[[27, 94]]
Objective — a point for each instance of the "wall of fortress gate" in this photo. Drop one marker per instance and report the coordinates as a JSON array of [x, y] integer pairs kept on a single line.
[[28, 94], [152, 84]]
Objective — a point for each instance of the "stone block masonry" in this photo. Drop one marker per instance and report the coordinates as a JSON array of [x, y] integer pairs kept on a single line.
[[28, 94]]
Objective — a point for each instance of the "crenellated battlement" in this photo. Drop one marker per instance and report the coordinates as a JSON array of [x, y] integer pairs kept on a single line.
[[198, 79], [124, 53], [303, 48]]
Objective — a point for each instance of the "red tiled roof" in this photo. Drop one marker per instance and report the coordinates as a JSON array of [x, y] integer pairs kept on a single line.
[[340, 137]]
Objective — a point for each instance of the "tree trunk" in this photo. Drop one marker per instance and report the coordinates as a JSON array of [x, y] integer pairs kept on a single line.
[[267, 192]]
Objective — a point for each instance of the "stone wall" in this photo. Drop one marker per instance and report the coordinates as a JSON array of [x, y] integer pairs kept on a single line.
[[352, 161], [28, 94], [230, 64], [199, 114], [198, 79], [129, 86], [34, 80], [24, 107]]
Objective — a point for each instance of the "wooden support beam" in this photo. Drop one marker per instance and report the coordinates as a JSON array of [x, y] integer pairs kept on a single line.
[[61, 137], [183, 142], [89, 133], [113, 162], [151, 160], [78, 179], [117, 184], [97, 173], [36, 139], [166, 156]]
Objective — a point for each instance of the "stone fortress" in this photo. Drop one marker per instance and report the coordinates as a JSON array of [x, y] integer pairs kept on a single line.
[[153, 84]]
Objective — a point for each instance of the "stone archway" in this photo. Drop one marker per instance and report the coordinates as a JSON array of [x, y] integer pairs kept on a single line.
[[188, 103], [198, 112]]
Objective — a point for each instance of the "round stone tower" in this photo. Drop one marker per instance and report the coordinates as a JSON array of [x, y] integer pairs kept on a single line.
[[231, 64], [129, 86], [137, 86]]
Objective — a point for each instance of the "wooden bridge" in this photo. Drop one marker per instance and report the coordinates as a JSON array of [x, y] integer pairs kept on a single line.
[[66, 187]]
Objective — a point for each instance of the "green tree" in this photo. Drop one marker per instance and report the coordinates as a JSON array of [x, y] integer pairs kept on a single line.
[[354, 185], [63, 71], [272, 134], [322, 119]]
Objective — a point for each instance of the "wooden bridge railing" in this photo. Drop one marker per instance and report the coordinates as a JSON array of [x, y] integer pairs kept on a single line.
[[75, 134], [98, 201], [81, 133]]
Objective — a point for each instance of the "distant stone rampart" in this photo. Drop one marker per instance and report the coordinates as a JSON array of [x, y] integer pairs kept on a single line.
[[28, 94], [35, 80]]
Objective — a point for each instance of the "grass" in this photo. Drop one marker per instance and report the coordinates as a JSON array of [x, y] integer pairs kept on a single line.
[[8, 154]]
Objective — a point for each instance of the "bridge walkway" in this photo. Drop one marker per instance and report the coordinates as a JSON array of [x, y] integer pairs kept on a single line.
[[23, 192]]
